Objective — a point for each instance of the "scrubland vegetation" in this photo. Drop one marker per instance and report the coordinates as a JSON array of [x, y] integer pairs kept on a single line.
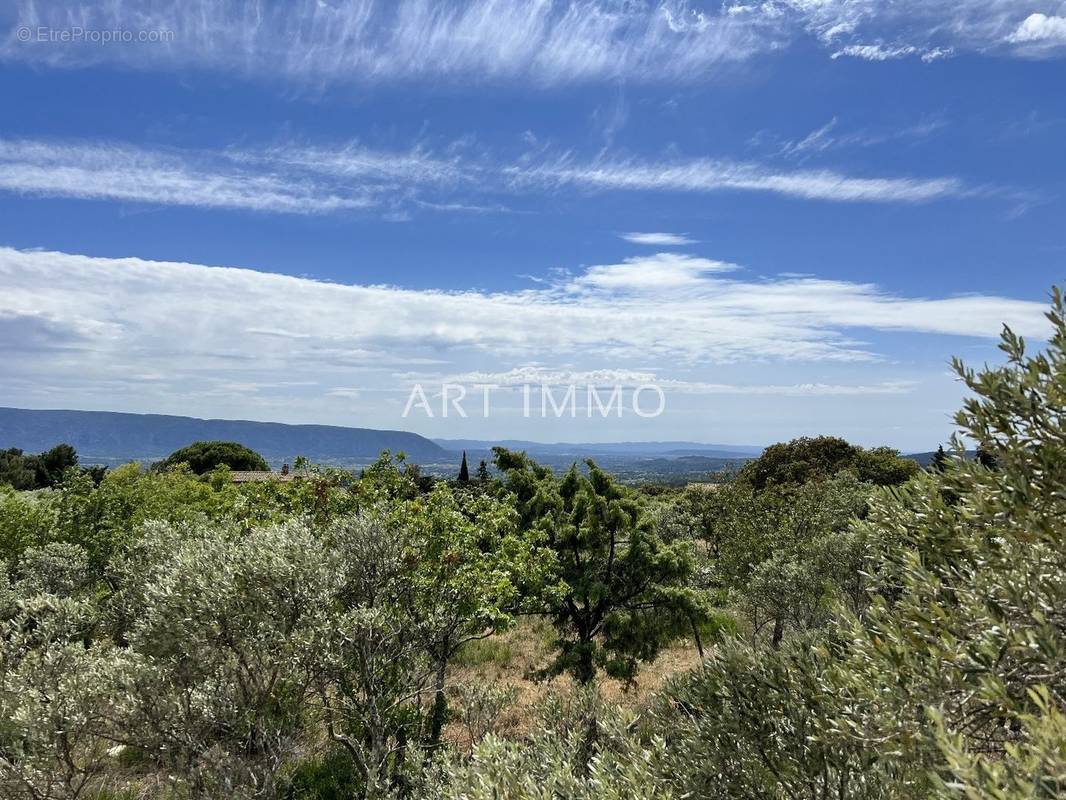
[[834, 623]]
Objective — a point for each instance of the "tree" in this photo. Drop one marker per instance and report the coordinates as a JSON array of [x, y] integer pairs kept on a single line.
[[883, 466], [420, 576], [24, 471], [474, 570], [549, 763], [626, 592], [811, 560], [783, 556], [464, 472], [960, 663], [375, 671], [482, 475], [757, 723], [17, 470], [204, 457], [810, 459], [54, 462], [57, 700], [940, 460], [227, 629]]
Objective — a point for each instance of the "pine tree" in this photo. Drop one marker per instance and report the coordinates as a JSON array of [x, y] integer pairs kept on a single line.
[[627, 593], [940, 460], [464, 471], [483, 472]]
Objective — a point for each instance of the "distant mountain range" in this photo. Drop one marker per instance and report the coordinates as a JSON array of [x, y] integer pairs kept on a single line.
[[106, 437], [592, 449], [925, 459], [111, 438]]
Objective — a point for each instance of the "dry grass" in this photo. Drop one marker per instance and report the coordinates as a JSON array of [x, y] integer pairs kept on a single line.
[[510, 658]]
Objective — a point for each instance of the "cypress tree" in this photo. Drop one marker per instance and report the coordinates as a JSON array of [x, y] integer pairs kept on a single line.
[[464, 471], [940, 460]]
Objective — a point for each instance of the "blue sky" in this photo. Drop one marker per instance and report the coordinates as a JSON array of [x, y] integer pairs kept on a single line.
[[789, 214]]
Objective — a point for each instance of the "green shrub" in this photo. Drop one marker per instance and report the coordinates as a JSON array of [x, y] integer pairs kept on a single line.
[[203, 457], [328, 777], [561, 760]]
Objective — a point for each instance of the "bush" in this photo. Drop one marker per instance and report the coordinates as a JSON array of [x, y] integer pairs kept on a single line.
[[556, 762], [328, 777], [204, 457], [807, 459]]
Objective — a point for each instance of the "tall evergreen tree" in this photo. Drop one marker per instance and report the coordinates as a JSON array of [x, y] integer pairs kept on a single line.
[[940, 460], [464, 471], [627, 593], [483, 472]]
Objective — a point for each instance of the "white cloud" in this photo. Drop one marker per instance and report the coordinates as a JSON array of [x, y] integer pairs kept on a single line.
[[1040, 28], [533, 376], [364, 41], [705, 175], [658, 239], [138, 335], [831, 136], [644, 273], [196, 318], [300, 179], [815, 141], [875, 52], [927, 29], [123, 173], [542, 42], [881, 52]]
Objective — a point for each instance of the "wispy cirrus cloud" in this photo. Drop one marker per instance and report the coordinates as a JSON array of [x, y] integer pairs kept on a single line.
[[544, 43], [125, 173], [362, 41], [832, 136], [927, 29], [709, 175], [881, 52], [303, 179]]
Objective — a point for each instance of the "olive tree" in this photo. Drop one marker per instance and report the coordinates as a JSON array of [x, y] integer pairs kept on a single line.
[[420, 575], [226, 628], [960, 663], [57, 685]]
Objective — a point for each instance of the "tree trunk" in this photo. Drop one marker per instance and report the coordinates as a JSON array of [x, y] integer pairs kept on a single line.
[[439, 713], [591, 736], [696, 636], [586, 666], [779, 632]]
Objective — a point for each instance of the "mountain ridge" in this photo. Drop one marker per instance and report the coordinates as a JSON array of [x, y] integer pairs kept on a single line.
[[653, 448], [116, 436]]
